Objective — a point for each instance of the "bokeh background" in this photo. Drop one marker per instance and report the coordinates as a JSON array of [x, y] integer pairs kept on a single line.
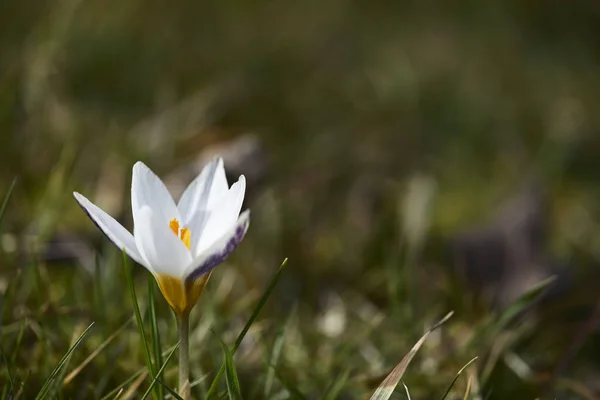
[[408, 157]]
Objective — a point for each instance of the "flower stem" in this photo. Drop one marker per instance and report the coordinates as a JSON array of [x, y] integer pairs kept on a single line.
[[183, 322]]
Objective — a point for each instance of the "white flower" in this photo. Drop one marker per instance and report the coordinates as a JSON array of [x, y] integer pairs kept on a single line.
[[179, 244]]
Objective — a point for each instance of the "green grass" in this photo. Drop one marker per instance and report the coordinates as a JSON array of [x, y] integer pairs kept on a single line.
[[151, 367], [288, 355], [385, 130]]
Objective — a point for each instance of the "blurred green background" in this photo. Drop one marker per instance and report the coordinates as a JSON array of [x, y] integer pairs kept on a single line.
[[409, 157]]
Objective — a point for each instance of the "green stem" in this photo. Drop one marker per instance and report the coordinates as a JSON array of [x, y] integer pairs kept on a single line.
[[183, 321]]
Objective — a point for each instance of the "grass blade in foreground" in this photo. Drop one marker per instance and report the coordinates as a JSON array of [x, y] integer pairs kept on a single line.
[[132, 378], [154, 332], [456, 377], [46, 387], [523, 301], [468, 390], [91, 357], [160, 371], [138, 317], [233, 384], [406, 390], [509, 316], [171, 391], [387, 387], [213, 387]]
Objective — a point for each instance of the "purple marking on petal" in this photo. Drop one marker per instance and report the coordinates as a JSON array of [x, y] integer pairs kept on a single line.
[[85, 210], [215, 259]]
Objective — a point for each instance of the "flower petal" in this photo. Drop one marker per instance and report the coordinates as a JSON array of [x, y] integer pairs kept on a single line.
[[115, 232], [164, 251], [221, 219], [205, 191], [173, 291], [148, 190], [196, 226], [219, 251], [181, 297]]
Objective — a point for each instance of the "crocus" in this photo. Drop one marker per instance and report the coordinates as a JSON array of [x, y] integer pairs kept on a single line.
[[179, 243]]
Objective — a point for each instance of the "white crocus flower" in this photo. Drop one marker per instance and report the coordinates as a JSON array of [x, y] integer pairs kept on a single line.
[[179, 244]]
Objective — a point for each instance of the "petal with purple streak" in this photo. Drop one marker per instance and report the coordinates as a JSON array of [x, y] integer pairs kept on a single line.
[[219, 251], [113, 230]]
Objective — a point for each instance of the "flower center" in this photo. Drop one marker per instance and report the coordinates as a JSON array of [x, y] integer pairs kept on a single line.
[[181, 295], [184, 233]]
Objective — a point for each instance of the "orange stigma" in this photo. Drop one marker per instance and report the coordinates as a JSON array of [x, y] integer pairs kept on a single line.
[[184, 234]]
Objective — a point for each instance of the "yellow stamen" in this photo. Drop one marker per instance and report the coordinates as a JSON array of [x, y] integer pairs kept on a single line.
[[174, 225], [184, 234], [186, 237]]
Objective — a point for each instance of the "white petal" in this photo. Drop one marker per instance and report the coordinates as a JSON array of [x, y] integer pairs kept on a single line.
[[163, 250], [220, 250], [205, 191], [196, 226], [148, 190], [111, 228], [222, 218]]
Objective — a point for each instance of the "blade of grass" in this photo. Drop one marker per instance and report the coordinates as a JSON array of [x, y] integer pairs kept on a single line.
[[171, 391], [99, 301], [46, 387], [160, 371], [118, 394], [103, 379], [154, 332], [13, 358], [521, 303], [275, 355], [9, 295], [2, 210], [406, 390], [231, 378], [336, 387], [115, 392], [192, 385], [293, 390], [456, 377], [468, 390], [138, 317], [507, 317], [213, 387], [132, 378], [10, 375], [198, 381], [579, 389], [22, 387], [6, 199], [54, 391], [134, 387], [85, 362], [387, 387]]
